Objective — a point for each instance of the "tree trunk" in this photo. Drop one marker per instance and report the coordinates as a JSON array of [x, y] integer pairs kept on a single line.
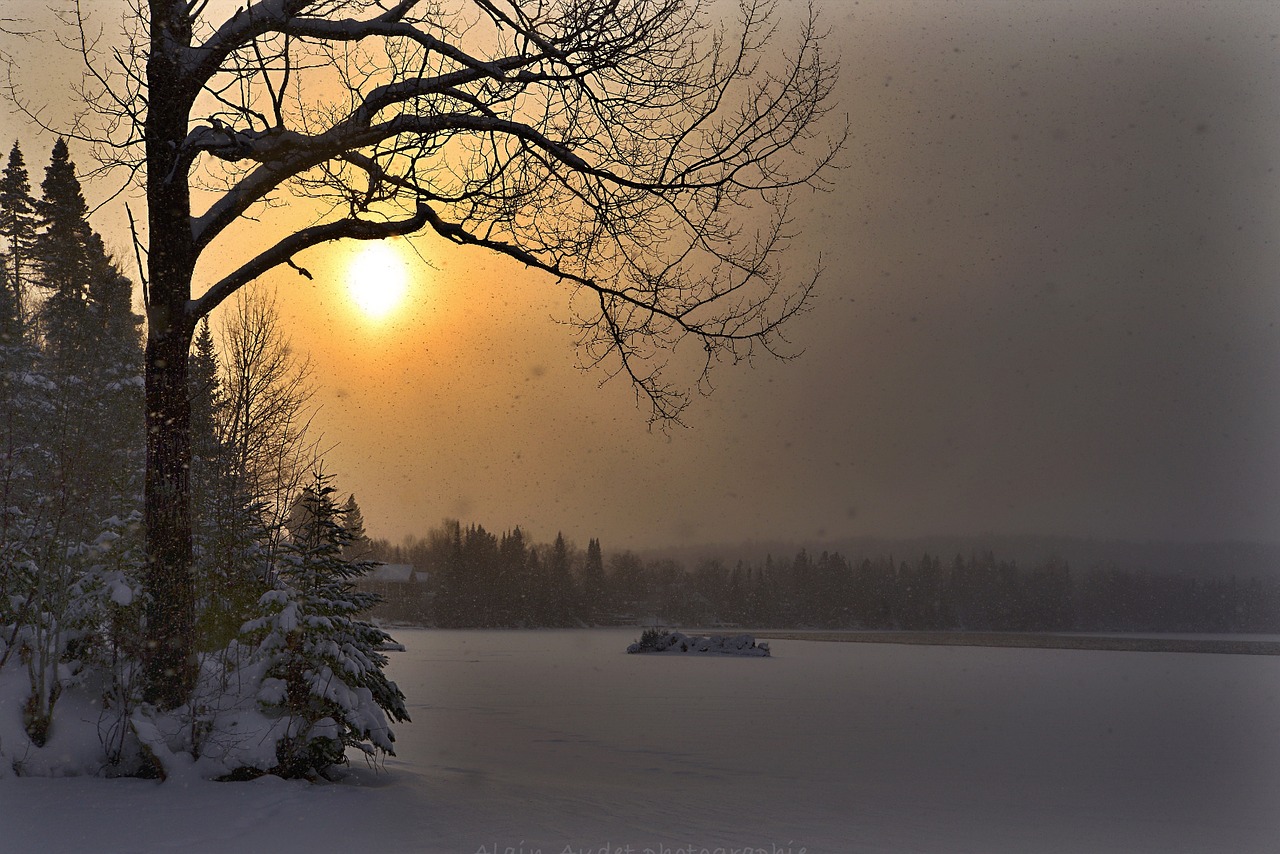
[[169, 667]]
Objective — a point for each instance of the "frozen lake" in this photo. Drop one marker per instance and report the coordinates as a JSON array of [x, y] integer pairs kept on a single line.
[[556, 741]]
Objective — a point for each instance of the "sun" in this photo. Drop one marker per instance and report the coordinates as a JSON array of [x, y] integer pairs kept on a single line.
[[377, 279]]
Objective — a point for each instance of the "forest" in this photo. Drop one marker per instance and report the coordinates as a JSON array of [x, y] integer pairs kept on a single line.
[[280, 637], [474, 578]]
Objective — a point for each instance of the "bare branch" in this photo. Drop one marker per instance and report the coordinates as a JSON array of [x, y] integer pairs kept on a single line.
[[137, 254], [630, 148], [283, 252]]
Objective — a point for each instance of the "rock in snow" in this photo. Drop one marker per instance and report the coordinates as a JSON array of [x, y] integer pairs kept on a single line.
[[677, 643]]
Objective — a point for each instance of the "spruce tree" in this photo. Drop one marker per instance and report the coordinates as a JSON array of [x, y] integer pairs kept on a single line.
[[82, 480], [593, 580], [228, 529], [62, 253], [117, 329], [208, 399], [560, 584], [10, 313], [26, 408], [93, 351], [18, 228], [325, 677], [513, 597], [353, 521]]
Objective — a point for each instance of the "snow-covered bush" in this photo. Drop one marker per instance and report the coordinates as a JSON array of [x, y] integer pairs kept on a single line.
[[663, 641], [303, 681], [71, 637], [652, 640]]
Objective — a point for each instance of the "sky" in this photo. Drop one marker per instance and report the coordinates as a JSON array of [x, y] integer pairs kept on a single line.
[[1048, 305]]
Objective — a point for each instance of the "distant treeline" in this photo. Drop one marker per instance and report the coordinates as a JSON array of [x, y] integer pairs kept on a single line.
[[475, 578]]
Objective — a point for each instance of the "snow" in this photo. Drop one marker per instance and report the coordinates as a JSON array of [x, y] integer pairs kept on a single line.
[[556, 741]]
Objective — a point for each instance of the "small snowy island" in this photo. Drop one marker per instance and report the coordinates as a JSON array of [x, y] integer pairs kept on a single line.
[[664, 642]]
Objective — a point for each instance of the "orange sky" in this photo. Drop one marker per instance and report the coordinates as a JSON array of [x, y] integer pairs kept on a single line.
[[1049, 306]]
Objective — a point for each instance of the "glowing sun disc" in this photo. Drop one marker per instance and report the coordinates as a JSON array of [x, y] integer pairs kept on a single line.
[[377, 279]]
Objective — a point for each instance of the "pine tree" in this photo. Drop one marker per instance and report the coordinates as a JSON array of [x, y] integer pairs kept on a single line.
[[228, 528], [560, 588], [353, 521], [593, 581], [513, 596], [18, 227], [62, 252], [325, 677], [115, 378], [454, 606], [116, 327], [26, 408], [10, 313], [208, 400], [93, 352], [73, 479]]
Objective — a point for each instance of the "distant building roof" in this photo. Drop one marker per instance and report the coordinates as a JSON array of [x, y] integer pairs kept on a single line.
[[391, 572]]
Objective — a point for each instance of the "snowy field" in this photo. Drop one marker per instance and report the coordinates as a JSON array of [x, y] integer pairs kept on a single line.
[[557, 741]]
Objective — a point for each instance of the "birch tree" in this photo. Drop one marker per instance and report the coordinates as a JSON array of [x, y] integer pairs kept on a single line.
[[641, 152]]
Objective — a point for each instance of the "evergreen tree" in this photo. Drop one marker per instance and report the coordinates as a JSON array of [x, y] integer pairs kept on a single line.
[[62, 252], [325, 678], [116, 328], [208, 400], [92, 351], [72, 459], [114, 378], [10, 313], [559, 584], [627, 589], [593, 581], [27, 406], [18, 228], [479, 578], [227, 526], [452, 606], [537, 599], [514, 599], [353, 520]]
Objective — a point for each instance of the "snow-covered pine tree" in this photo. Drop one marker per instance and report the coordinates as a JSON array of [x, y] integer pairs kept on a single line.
[[325, 675]]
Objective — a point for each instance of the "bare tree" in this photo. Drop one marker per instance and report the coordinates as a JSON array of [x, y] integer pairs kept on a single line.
[[639, 150], [267, 411]]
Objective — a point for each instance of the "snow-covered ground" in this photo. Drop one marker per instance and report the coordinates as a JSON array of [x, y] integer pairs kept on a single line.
[[560, 742]]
